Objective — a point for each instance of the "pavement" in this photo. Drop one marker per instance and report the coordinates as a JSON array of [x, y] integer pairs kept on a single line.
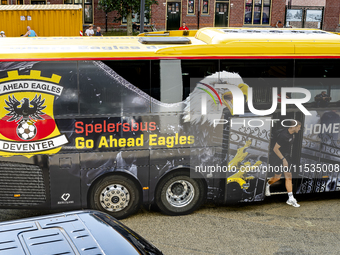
[[268, 227]]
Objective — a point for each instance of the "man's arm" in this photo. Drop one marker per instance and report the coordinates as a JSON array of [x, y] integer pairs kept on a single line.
[[27, 34], [279, 154]]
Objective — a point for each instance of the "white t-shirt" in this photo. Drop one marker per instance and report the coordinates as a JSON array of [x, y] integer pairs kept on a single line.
[[89, 32]]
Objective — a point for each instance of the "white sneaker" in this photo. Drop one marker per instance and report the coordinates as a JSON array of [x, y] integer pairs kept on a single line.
[[293, 202], [267, 192]]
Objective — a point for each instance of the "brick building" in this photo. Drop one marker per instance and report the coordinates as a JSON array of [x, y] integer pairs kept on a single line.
[[169, 14]]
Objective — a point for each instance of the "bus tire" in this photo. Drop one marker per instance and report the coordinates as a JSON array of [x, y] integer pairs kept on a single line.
[[178, 194], [116, 195]]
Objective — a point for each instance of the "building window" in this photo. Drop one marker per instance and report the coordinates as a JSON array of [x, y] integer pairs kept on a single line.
[[257, 12], [191, 7], [136, 19], [205, 7], [88, 11], [87, 6], [20, 2], [3, 2], [38, 2]]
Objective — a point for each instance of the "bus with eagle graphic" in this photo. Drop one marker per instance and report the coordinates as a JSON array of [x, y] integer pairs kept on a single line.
[[171, 120]]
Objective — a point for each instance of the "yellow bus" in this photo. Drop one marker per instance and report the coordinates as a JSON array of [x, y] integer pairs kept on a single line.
[[168, 118]]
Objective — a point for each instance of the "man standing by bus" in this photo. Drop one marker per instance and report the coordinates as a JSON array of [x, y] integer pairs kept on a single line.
[[283, 158]]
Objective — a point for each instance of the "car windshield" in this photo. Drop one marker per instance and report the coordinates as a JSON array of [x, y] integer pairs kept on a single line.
[[139, 242]]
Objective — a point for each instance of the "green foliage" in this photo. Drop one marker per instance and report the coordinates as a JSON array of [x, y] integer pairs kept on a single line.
[[124, 7], [106, 5]]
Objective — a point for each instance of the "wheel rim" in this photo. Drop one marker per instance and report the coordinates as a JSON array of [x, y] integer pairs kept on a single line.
[[115, 197], [180, 193]]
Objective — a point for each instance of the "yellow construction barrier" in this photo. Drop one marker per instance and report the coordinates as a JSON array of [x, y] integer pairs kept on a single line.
[[45, 20]]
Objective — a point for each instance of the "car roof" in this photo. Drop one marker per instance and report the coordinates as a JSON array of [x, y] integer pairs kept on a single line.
[[80, 232]]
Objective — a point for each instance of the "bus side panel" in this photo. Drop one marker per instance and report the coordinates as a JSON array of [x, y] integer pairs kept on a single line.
[[25, 182], [96, 164], [65, 181], [320, 163], [248, 150]]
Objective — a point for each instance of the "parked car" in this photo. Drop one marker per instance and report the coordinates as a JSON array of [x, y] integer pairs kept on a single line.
[[78, 232]]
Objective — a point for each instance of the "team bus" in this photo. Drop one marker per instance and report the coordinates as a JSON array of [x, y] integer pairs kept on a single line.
[[167, 118]]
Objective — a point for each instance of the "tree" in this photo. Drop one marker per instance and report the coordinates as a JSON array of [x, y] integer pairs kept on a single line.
[[107, 7], [125, 8]]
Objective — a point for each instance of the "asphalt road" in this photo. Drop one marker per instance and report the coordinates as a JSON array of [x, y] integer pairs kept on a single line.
[[269, 227]]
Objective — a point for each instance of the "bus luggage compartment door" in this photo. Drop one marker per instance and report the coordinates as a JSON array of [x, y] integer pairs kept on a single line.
[[249, 143], [65, 181]]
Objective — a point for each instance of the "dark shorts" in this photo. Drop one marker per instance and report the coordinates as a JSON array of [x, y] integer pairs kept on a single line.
[[278, 168]]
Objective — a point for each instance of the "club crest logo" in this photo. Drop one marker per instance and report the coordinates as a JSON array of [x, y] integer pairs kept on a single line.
[[27, 124]]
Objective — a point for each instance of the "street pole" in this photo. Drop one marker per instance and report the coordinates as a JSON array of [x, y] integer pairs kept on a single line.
[[141, 16], [198, 14]]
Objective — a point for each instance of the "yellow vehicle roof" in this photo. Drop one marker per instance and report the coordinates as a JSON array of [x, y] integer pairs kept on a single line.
[[204, 43]]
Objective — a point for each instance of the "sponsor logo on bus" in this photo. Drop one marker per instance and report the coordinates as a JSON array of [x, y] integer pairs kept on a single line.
[[27, 124]]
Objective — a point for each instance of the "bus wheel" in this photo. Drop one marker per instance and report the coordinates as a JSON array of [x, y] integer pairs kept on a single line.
[[116, 195], [178, 194]]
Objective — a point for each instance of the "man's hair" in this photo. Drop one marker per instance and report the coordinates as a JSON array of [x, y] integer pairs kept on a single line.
[[293, 122]]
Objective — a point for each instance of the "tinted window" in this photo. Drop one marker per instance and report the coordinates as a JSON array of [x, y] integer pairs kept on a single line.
[[321, 78], [104, 91], [262, 75], [173, 80], [137, 72], [190, 71]]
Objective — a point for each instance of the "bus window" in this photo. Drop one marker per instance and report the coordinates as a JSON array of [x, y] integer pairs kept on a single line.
[[172, 80], [262, 75], [171, 84], [194, 70], [103, 91], [321, 78], [137, 72]]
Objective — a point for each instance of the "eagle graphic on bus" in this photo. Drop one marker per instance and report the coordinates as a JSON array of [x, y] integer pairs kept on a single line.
[[221, 95], [25, 112], [25, 109]]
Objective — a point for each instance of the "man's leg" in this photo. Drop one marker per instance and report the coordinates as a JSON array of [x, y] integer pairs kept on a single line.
[[272, 180], [288, 182], [289, 186]]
